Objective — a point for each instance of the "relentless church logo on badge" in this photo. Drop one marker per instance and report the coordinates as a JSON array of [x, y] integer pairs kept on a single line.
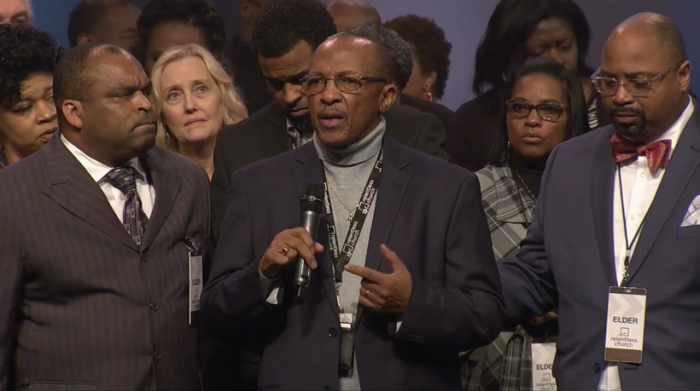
[[624, 337], [542, 366]]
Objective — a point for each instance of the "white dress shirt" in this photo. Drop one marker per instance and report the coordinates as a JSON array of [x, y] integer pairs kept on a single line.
[[116, 199], [639, 186]]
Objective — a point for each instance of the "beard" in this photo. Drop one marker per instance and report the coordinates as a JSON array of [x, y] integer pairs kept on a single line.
[[634, 131]]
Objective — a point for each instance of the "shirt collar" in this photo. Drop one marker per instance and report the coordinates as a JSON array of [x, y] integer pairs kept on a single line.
[[674, 132], [298, 138], [96, 169]]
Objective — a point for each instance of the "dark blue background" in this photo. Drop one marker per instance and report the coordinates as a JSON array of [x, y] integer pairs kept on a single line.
[[464, 22]]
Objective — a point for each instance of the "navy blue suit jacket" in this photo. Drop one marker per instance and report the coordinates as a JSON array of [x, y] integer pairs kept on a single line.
[[567, 260], [428, 211]]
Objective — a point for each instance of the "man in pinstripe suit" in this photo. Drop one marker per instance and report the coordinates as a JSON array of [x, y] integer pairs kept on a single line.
[[97, 233]]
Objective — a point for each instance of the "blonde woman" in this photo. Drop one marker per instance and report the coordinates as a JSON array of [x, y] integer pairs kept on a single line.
[[194, 98]]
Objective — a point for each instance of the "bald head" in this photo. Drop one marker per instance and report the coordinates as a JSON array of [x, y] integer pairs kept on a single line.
[[661, 28], [647, 54], [349, 14]]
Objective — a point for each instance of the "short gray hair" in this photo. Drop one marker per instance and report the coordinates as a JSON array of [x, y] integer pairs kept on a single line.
[[396, 47]]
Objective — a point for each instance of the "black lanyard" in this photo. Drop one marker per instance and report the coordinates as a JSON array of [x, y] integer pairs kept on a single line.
[[628, 244], [339, 257]]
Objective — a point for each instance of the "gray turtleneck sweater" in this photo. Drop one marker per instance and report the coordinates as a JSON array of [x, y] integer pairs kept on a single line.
[[347, 171]]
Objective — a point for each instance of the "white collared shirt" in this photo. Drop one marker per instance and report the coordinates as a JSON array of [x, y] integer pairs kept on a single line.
[[116, 199], [639, 186]]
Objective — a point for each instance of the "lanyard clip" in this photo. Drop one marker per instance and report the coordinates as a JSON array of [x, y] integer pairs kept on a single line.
[[189, 242]]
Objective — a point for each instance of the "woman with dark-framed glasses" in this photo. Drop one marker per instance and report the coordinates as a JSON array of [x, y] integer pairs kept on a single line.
[[543, 105]]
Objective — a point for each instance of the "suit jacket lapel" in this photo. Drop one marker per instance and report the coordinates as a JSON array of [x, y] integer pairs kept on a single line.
[[392, 187], [681, 168], [167, 186], [275, 139], [602, 189], [74, 190]]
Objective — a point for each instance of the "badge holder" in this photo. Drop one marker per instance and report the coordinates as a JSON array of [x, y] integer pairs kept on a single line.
[[543, 352], [195, 280], [347, 344], [624, 336]]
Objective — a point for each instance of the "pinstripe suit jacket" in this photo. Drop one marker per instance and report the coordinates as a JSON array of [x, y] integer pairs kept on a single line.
[[87, 307]]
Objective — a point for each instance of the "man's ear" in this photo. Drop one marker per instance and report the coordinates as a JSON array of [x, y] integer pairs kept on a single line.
[[73, 112], [684, 75], [387, 98], [84, 38]]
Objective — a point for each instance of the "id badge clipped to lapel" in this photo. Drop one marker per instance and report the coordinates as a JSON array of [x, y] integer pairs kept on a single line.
[[624, 336], [195, 280], [542, 362]]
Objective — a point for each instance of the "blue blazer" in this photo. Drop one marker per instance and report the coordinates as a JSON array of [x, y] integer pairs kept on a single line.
[[428, 211], [567, 260]]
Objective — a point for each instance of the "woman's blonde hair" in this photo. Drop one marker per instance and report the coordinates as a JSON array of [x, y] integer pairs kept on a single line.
[[232, 104]]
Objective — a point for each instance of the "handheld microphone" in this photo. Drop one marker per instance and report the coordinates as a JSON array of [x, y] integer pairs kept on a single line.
[[311, 204]]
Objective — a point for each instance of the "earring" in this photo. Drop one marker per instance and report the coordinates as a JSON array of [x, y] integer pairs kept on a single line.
[[428, 94], [166, 139], [506, 154]]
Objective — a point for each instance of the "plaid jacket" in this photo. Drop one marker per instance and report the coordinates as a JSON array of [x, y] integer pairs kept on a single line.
[[505, 364]]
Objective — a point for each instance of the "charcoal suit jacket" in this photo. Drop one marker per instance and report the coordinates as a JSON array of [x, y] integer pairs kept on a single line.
[[567, 260], [428, 211], [264, 135], [87, 307]]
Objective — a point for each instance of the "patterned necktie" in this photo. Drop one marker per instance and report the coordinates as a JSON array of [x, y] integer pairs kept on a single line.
[[657, 153], [135, 221]]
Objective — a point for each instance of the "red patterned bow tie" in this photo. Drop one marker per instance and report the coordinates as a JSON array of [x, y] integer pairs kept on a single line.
[[657, 153]]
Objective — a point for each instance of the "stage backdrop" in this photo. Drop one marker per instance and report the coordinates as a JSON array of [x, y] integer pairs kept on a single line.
[[464, 22]]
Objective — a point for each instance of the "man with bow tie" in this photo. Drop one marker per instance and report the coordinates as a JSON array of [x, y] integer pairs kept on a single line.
[[614, 242]]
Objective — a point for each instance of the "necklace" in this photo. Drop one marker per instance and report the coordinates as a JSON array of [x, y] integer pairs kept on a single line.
[[351, 212], [525, 186]]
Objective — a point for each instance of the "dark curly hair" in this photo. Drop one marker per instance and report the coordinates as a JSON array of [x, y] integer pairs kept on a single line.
[[282, 24], [198, 13], [501, 49], [430, 47], [26, 52]]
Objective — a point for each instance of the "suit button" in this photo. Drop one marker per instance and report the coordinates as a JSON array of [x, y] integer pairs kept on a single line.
[[596, 367], [157, 356], [332, 332], [154, 306], [327, 387], [145, 258]]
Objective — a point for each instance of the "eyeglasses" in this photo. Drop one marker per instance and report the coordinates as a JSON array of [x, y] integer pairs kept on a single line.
[[518, 108], [313, 84], [640, 87]]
